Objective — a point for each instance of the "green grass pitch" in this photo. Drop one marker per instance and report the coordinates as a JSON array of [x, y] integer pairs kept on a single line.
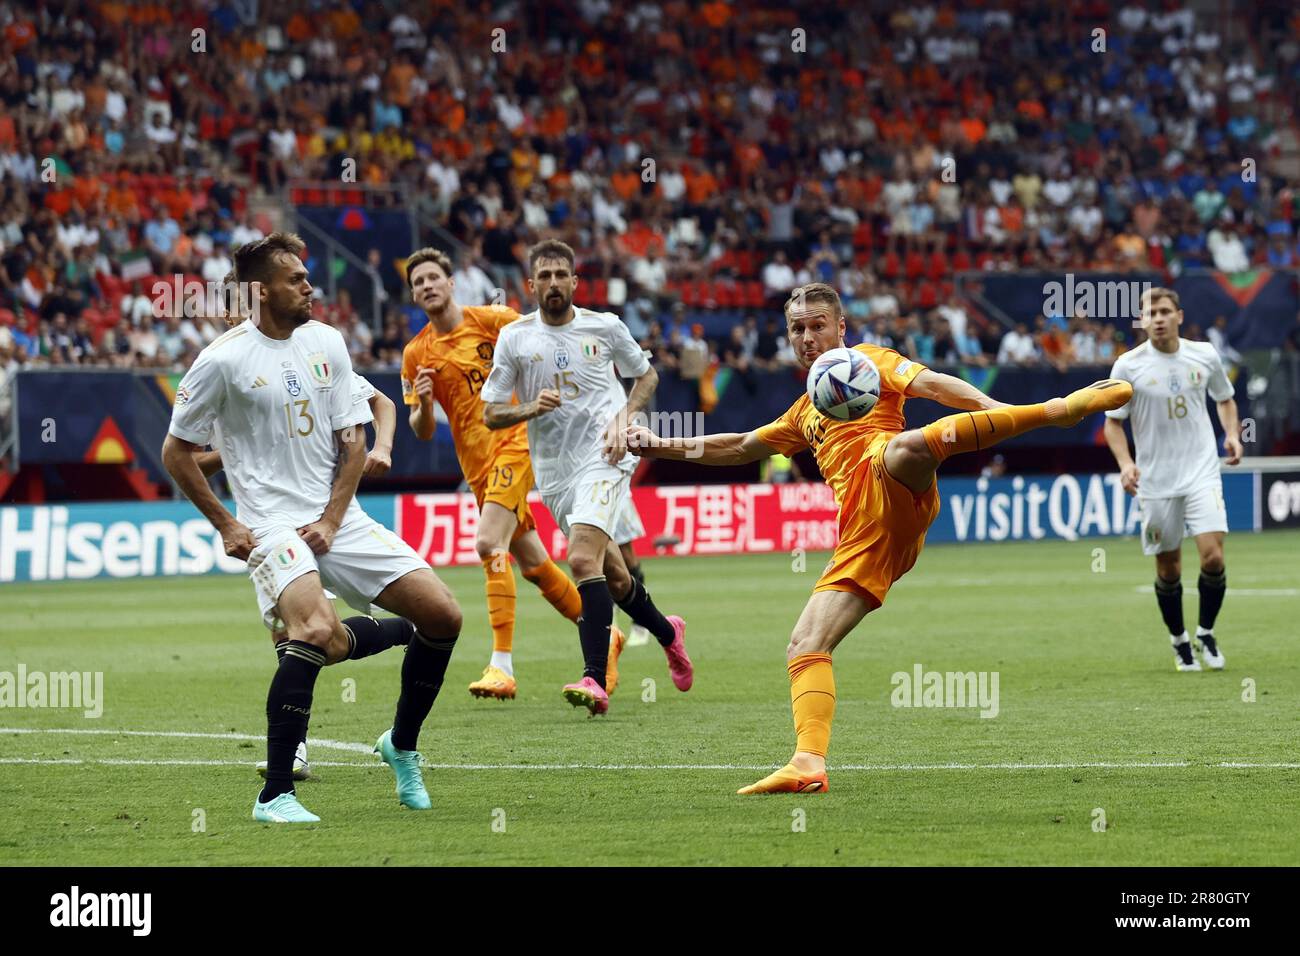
[[1093, 720]]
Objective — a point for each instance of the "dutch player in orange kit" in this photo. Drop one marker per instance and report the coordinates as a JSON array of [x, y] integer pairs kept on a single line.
[[448, 361], [884, 482]]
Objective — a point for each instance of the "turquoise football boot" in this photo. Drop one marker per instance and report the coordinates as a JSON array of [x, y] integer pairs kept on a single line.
[[283, 809], [406, 764]]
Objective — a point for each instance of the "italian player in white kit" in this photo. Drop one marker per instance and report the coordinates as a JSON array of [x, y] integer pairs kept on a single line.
[[279, 393], [559, 361], [1176, 476]]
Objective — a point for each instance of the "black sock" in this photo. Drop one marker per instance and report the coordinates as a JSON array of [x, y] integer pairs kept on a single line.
[[1212, 588], [593, 627], [638, 573], [288, 708], [368, 635], [280, 648], [1169, 595], [422, 673], [641, 610]]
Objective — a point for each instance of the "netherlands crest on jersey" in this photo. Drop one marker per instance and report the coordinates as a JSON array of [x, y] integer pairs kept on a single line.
[[1175, 382], [292, 382], [591, 348], [321, 372], [561, 357]]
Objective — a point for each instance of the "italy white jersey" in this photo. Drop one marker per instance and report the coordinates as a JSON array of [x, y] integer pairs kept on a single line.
[[273, 405], [578, 361], [1176, 450]]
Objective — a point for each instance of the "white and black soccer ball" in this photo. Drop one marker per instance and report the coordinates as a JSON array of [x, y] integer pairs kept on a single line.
[[843, 384]]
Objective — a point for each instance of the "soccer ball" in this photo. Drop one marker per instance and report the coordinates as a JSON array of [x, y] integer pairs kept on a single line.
[[843, 384]]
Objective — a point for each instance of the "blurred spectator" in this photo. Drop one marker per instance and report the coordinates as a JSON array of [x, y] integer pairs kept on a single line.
[[1018, 347]]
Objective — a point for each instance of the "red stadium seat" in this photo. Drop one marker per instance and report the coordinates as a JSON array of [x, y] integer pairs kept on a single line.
[[755, 296], [600, 291]]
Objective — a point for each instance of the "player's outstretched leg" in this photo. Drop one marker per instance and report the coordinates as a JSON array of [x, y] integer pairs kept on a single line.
[[426, 602], [1212, 585], [826, 619], [670, 631], [974, 431]]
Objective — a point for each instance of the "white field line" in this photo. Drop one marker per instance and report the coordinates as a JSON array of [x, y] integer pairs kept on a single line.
[[366, 748]]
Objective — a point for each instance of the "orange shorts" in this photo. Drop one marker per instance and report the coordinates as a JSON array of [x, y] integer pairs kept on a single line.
[[882, 526], [508, 482]]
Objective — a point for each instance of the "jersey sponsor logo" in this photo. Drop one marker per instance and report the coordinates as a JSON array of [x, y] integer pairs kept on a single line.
[[321, 372], [561, 357], [258, 382], [902, 367], [182, 396], [537, 357], [591, 348], [407, 386], [292, 382]]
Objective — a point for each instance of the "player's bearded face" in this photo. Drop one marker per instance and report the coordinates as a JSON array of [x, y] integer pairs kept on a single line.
[[288, 295], [553, 284], [812, 331]]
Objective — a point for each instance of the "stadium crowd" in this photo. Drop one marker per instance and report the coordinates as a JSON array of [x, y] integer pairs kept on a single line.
[[700, 157]]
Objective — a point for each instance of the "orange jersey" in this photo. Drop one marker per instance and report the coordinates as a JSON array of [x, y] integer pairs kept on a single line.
[[461, 361], [841, 447]]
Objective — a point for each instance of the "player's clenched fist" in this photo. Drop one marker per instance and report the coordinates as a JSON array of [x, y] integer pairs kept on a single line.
[[424, 385], [548, 400], [640, 440], [1128, 478], [319, 535], [238, 541], [377, 464]]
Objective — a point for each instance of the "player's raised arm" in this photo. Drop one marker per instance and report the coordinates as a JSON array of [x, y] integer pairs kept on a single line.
[[949, 391], [726, 448]]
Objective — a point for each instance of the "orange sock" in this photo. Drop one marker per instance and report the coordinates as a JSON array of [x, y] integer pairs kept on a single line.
[[501, 601], [557, 588], [972, 431], [812, 696]]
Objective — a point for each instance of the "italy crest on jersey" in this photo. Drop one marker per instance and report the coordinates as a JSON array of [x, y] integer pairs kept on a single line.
[[321, 372], [561, 357], [292, 382], [1175, 382]]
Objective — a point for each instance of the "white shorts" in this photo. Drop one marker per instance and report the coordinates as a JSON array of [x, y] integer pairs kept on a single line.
[[364, 558], [1166, 521], [629, 526], [598, 496]]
